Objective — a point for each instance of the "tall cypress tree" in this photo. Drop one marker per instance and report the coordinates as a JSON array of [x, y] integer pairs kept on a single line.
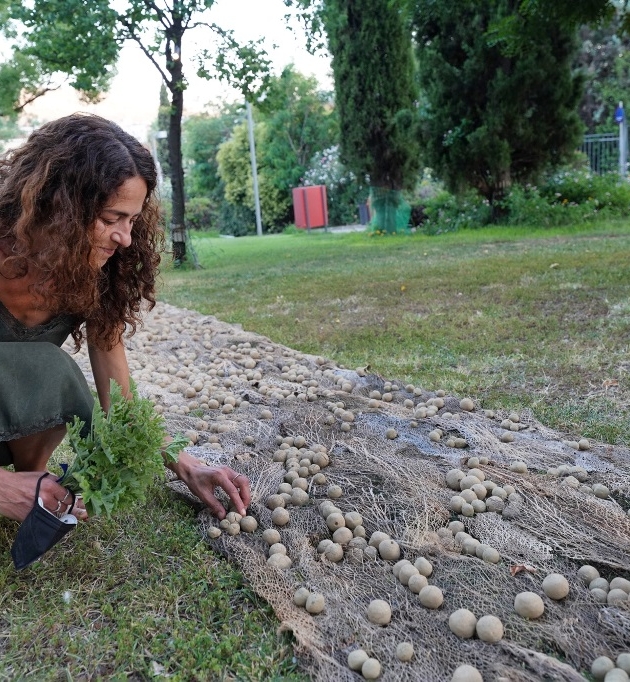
[[494, 114], [375, 92]]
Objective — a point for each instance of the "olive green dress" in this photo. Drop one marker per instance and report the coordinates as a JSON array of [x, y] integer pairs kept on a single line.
[[40, 385]]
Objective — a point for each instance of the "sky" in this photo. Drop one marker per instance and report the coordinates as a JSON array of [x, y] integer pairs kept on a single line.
[[134, 95]]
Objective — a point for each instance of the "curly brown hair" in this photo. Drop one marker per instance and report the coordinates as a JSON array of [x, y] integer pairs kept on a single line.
[[52, 190]]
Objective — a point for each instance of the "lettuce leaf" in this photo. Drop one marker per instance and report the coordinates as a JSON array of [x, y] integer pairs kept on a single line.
[[120, 457]]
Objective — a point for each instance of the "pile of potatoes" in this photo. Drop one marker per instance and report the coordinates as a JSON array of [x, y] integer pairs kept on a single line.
[[415, 577], [456, 531], [233, 524], [616, 591], [475, 493]]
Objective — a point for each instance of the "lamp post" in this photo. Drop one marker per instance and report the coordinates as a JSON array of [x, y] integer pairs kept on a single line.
[[620, 119], [252, 155]]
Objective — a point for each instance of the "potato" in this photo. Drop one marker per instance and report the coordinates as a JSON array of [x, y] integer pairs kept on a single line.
[[379, 612], [491, 555], [405, 572], [417, 583], [280, 516], [404, 651], [300, 596], [334, 492], [468, 482], [431, 597], [342, 536], [353, 519], [600, 491], [334, 552], [529, 605], [424, 566], [587, 574], [473, 462], [389, 550], [616, 675], [453, 477], [620, 584], [518, 467], [335, 521], [277, 548], [391, 434], [274, 501], [467, 404], [468, 509], [616, 596], [600, 666], [489, 629], [233, 529], [507, 437], [315, 603], [299, 497], [323, 544], [377, 537], [466, 673], [495, 504], [271, 536], [555, 586], [279, 561], [356, 659], [623, 662], [398, 565], [248, 524], [371, 669], [213, 532], [600, 584], [462, 623]]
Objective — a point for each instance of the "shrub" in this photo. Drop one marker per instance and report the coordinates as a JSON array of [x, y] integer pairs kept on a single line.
[[201, 213], [446, 212]]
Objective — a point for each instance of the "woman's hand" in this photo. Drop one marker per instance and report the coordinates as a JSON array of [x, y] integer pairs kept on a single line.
[[202, 481], [18, 495]]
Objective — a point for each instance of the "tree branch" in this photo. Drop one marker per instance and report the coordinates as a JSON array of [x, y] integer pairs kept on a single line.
[[33, 96], [161, 14]]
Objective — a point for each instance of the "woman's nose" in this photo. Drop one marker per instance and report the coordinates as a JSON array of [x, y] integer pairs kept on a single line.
[[122, 234]]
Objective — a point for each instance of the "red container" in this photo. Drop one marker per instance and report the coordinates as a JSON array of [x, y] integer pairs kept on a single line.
[[310, 206]]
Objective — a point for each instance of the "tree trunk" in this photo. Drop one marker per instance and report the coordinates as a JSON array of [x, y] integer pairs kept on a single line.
[[178, 226]]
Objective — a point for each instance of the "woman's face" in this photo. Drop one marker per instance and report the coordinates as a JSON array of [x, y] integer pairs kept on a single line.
[[112, 230]]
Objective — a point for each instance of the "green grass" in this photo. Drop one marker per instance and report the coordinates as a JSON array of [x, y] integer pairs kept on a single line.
[[515, 317], [130, 597]]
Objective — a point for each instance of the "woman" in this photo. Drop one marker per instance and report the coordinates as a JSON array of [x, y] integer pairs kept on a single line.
[[79, 243]]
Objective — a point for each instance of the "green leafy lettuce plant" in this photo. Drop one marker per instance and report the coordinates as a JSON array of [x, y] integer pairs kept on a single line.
[[123, 452]]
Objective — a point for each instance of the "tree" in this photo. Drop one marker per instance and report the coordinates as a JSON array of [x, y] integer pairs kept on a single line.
[[71, 37], [489, 116], [375, 94], [63, 38]]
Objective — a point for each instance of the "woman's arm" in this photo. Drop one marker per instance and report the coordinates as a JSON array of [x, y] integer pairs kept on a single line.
[[107, 365]]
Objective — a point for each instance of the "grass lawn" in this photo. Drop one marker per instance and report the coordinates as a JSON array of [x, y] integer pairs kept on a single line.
[[514, 318]]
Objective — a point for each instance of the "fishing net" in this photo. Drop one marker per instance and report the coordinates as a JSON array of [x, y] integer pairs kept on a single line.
[[390, 211], [244, 399]]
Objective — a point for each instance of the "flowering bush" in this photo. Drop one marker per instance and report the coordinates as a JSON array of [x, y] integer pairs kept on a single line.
[[343, 190]]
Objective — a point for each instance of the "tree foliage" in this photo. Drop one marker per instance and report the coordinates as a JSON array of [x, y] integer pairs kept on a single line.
[[71, 38], [490, 116], [375, 90]]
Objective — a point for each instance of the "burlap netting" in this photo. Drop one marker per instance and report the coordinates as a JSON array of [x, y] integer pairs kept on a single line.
[[398, 486]]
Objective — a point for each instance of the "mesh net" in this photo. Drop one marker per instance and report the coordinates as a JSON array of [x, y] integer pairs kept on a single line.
[[390, 211], [195, 366]]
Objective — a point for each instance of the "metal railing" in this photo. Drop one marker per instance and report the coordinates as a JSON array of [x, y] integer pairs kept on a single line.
[[605, 153]]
